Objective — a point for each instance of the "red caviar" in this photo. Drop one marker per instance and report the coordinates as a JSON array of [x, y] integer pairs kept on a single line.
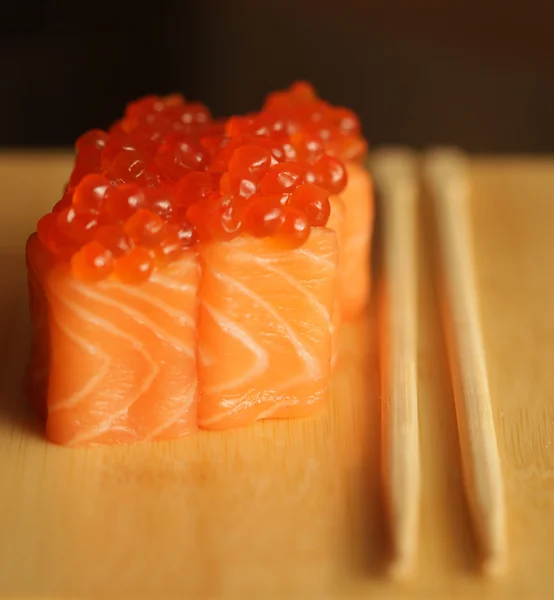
[[121, 202], [93, 262], [77, 227], [145, 228], [293, 230], [135, 266], [166, 177], [314, 202], [311, 125], [171, 246], [113, 238], [263, 218]]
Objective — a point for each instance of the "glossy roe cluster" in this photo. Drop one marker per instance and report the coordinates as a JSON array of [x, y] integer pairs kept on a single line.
[[309, 125], [166, 177]]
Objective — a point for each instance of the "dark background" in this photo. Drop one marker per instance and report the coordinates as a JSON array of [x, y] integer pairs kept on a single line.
[[476, 73]]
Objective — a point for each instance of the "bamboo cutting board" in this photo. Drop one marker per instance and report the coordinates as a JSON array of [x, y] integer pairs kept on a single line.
[[292, 509]]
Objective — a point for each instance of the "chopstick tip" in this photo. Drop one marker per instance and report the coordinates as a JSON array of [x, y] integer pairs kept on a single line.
[[401, 566], [494, 565]]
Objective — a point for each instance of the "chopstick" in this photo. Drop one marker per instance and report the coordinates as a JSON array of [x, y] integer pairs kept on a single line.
[[447, 175], [395, 175]]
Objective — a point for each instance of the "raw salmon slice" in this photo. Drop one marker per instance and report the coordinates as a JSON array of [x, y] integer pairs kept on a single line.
[[120, 360], [265, 329], [39, 264], [336, 223], [354, 274]]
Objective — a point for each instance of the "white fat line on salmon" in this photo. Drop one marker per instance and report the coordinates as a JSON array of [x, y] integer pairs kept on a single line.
[[108, 424], [204, 355], [247, 257], [182, 410], [173, 284], [182, 316], [285, 258], [158, 331], [324, 259], [241, 404], [273, 409], [309, 360], [239, 334]]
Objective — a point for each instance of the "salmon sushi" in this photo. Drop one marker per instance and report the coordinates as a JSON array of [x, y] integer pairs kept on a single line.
[[113, 284], [267, 295], [315, 126], [120, 360], [265, 329], [174, 253]]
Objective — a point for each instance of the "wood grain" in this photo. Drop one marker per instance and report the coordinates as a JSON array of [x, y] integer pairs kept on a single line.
[[293, 510]]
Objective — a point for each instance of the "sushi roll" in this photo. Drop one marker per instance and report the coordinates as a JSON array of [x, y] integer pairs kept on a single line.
[[186, 278], [113, 280], [335, 130], [266, 295], [113, 362], [310, 127]]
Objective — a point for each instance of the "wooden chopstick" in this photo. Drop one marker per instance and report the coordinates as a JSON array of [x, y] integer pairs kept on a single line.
[[396, 178], [447, 175]]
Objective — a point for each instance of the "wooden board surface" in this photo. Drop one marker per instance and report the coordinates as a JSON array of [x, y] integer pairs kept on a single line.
[[292, 509]]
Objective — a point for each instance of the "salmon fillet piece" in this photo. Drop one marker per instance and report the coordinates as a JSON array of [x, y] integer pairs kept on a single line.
[[336, 223], [37, 371], [120, 360], [354, 275], [265, 329]]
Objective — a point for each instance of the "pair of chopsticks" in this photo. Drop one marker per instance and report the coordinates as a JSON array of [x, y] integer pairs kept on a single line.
[[446, 175]]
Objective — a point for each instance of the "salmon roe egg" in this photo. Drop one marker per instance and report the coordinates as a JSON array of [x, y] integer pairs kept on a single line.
[[240, 182], [314, 202], [159, 201], [282, 178], [135, 266], [171, 246], [89, 155], [263, 218], [93, 262], [91, 142], [222, 219], [194, 187], [187, 234], [293, 230], [49, 234], [77, 227], [145, 227], [122, 201], [114, 238], [89, 194], [254, 158], [330, 173]]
